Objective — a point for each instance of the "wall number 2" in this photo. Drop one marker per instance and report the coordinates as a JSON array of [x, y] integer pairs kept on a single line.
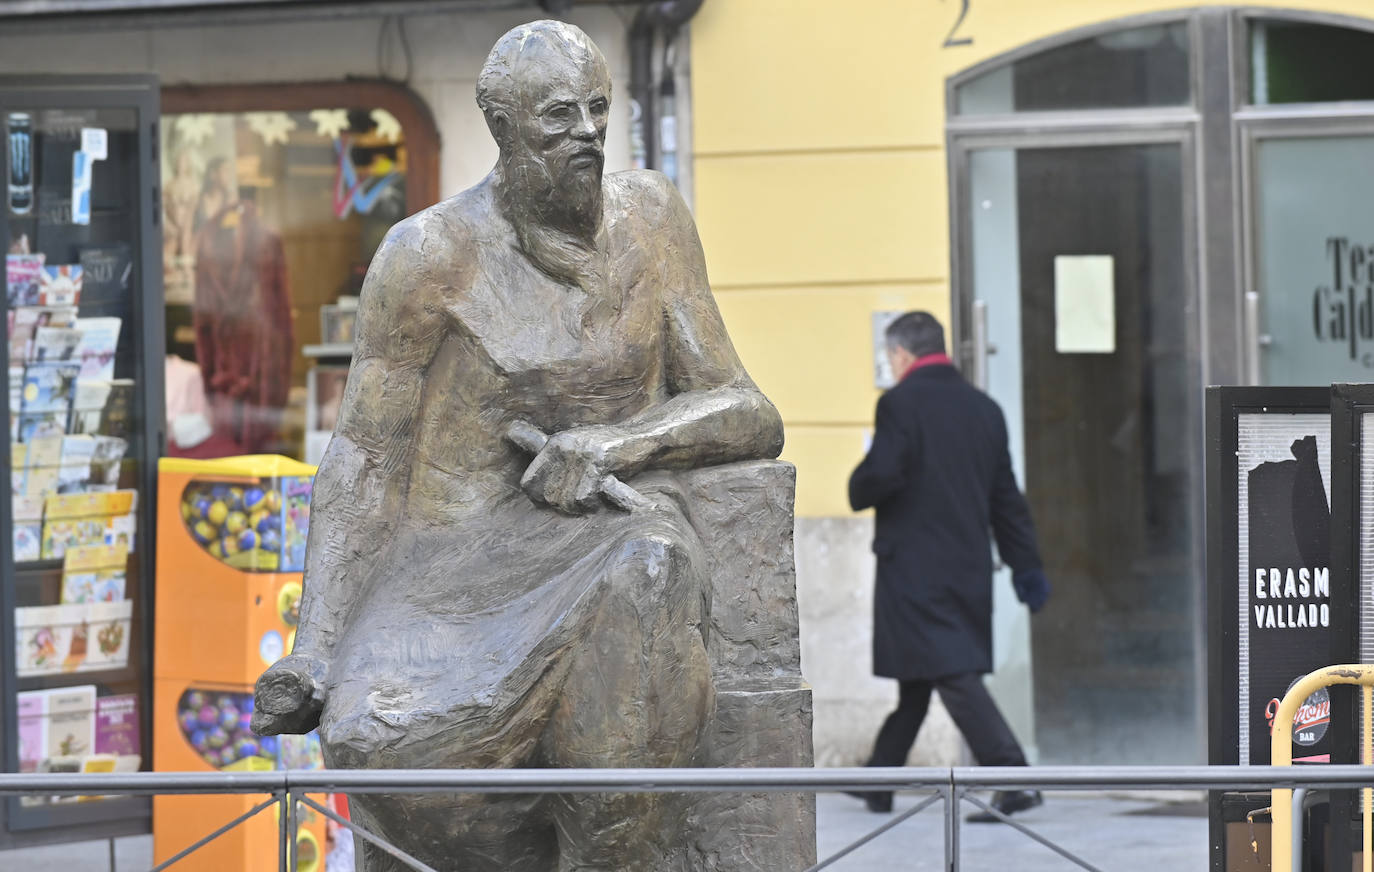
[[951, 41]]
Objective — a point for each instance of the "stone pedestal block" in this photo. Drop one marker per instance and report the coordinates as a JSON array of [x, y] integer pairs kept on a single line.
[[743, 512]]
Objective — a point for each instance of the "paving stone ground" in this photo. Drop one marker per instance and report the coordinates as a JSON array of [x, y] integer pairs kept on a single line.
[[1114, 834], [1111, 833]]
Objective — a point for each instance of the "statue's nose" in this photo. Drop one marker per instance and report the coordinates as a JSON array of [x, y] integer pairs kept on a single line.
[[584, 127]]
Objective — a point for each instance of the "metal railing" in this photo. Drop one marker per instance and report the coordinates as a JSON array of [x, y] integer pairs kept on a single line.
[[952, 787]]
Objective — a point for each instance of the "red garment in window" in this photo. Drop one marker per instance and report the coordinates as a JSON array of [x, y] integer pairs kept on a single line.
[[242, 318]]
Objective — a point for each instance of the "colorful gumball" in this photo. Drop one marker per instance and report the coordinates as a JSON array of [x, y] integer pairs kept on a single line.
[[246, 722], [229, 546], [272, 501], [271, 541], [219, 491], [202, 508], [198, 740], [254, 499], [208, 716], [228, 717], [235, 499], [228, 755], [188, 720], [217, 513], [248, 540], [194, 700], [246, 748], [188, 511], [235, 522], [216, 549], [256, 519], [216, 738], [204, 532], [269, 746]]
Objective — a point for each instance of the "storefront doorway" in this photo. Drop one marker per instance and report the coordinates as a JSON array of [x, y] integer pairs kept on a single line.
[[1141, 209]]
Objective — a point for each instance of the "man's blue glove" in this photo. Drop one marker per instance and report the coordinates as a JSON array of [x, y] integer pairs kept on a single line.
[[1032, 588]]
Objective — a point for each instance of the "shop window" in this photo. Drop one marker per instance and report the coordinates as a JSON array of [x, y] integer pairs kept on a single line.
[[1133, 68], [273, 205], [1298, 62]]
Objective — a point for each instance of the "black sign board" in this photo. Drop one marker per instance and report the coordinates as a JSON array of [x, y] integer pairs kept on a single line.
[[1276, 609]]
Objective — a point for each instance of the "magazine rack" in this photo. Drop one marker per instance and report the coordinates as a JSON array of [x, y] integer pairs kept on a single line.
[[84, 345]]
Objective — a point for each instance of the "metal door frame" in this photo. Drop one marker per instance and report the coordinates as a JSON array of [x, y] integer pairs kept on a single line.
[[1218, 131], [1252, 124], [1203, 153], [1172, 128]]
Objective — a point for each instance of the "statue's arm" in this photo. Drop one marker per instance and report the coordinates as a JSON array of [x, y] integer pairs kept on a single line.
[[360, 486], [714, 413], [711, 411]]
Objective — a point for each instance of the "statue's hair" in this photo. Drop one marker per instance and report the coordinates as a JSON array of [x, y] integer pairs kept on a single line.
[[499, 82]]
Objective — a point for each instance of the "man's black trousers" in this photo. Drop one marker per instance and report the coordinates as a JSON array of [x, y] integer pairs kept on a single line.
[[973, 711]]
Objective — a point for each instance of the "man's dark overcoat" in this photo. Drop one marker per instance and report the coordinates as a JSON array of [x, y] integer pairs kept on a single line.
[[939, 475]]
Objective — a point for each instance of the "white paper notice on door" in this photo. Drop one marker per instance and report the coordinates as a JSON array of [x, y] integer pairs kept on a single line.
[[1084, 304]]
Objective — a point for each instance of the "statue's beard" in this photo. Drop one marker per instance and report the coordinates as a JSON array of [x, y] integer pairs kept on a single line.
[[555, 208]]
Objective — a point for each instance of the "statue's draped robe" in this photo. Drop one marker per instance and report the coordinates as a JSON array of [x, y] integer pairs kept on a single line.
[[466, 675]]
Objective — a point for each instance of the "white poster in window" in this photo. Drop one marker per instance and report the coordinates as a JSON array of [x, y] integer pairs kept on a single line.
[[1084, 304]]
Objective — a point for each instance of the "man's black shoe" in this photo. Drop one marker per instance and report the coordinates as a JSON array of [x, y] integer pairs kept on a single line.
[[878, 801], [1008, 802]]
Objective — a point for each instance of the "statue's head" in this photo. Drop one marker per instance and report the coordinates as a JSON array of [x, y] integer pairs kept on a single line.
[[546, 93]]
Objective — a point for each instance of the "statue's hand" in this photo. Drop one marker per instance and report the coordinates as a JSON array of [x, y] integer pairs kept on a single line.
[[289, 696], [567, 473]]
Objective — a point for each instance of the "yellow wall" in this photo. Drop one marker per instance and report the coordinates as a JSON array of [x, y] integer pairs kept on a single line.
[[821, 190]]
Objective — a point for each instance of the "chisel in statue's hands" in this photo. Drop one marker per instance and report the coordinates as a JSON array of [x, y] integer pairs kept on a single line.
[[530, 438]]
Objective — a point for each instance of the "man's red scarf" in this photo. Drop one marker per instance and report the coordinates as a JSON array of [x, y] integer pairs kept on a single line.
[[938, 357]]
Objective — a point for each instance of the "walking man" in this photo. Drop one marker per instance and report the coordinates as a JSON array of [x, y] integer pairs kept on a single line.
[[939, 476]]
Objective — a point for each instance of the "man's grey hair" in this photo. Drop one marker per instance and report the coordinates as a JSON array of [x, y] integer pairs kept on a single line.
[[498, 85], [918, 332]]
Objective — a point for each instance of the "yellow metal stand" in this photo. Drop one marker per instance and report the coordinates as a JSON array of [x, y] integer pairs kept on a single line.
[[1281, 754], [1367, 757]]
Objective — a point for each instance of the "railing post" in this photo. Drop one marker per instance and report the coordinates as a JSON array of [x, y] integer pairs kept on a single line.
[[293, 827], [952, 809], [282, 827]]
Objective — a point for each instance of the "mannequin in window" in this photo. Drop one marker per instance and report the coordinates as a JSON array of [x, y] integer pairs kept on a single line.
[[242, 314]]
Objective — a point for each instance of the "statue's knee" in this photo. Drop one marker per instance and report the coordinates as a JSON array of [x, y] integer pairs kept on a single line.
[[359, 740], [654, 561], [653, 553]]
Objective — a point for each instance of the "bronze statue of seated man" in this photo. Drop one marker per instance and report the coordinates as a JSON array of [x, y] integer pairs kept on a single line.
[[476, 595]]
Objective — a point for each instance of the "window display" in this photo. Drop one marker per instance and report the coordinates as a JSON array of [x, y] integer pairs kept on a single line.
[[75, 221], [270, 220]]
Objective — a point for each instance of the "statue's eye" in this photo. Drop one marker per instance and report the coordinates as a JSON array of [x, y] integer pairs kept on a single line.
[[599, 107], [558, 112]]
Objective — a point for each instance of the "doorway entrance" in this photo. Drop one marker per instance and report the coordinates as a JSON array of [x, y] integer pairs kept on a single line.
[[1141, 209], [1082, 269]]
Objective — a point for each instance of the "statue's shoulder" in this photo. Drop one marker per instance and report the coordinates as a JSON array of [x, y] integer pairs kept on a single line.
[[648, 194], [439, 243]]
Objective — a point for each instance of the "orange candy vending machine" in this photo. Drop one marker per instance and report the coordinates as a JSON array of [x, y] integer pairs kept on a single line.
[[230, 555]]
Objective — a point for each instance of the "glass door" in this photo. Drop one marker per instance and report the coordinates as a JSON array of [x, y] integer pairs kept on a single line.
[[84, 350], [1311, 241], [1080, 269]]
